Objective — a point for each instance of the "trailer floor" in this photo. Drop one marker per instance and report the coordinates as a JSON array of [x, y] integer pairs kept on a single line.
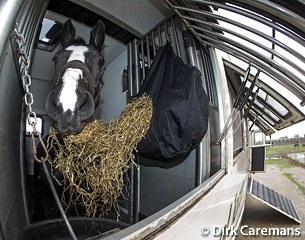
[[258, 215]]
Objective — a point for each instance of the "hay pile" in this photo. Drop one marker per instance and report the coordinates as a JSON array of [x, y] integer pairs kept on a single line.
[[94, 161]]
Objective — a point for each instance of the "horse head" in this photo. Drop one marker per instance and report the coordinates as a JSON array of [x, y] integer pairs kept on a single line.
[[77, 82]]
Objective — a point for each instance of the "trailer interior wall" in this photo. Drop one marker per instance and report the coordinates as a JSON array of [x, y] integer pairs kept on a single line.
[[12, 214], [13, 210]]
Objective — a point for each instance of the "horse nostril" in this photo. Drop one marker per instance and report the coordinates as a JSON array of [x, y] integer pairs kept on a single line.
[[86, 106], [82, 103]]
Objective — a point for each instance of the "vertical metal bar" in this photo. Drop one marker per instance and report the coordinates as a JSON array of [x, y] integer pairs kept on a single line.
[[148, 52], [130, 75], [134, 172], [136, 83], [160, 36], [153, 42], [242, 87], [176, 37], [131, 170], [190, 48], [166, 33], [143, 60], [9, 17]]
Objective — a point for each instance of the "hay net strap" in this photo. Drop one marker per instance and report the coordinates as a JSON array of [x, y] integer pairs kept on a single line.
[[24, 62]]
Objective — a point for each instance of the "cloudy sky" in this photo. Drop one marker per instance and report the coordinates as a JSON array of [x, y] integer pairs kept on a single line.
[[291, 131]]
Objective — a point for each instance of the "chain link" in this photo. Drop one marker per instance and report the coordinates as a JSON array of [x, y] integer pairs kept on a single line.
[[24, 61]]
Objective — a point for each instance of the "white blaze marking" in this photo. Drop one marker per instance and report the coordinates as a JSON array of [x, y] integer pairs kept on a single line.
[[78, 53], [67, 95]]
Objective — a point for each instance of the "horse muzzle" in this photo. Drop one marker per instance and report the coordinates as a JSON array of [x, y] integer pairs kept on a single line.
[[70, 122]]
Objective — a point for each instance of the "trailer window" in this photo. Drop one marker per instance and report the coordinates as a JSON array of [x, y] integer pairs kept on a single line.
[[50, 31]]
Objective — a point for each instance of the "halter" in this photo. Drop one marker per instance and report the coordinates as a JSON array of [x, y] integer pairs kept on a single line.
[[87, 77]]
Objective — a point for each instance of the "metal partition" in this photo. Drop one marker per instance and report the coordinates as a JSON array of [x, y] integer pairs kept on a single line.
[[141, 53], [144, 49], [140, 57]]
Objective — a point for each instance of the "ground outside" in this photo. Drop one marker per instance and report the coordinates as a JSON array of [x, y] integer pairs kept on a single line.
[[288, 178]]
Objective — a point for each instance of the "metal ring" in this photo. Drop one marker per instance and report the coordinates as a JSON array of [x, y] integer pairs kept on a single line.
[[31, 115]]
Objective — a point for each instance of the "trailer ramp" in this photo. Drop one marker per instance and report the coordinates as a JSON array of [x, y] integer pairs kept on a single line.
[[273, 199]]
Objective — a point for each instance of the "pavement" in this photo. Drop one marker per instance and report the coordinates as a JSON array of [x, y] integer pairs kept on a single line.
[[258, 216]]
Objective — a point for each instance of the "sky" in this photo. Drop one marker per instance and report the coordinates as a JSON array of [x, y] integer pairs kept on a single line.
[[291, 131]]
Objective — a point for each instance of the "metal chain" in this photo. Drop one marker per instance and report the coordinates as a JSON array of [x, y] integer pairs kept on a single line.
[[24, 61]]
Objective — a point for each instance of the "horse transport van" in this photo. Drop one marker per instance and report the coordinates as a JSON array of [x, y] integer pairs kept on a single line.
[[249, 58]]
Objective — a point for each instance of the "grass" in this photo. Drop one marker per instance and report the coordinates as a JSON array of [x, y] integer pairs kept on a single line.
[[292, 179], [284, 162], [281, 162], [284, 149]]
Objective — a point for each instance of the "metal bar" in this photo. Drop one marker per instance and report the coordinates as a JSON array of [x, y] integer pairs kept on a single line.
[[153, 42], [210, 87], [41, 12], [160, 36], [130, 67], [191, 50], [249, 91], [243, 56], [274, 73], [175, 36], [136, 83], [273, 52], [242, 87], [247, 110], [284, 12], [256, 17], [234, 113], [131, 93], [243, 103], [148, 52], [167, 35], [273, 46], [26, 28], [131, 204], [255, 53], [143, 59], [241, 25], [137, 185], [134, 172]]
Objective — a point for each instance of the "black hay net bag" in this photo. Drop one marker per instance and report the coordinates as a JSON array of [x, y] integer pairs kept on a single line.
[[180, 108]]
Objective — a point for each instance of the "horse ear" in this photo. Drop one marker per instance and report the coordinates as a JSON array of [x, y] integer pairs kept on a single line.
[[97, 35], [67, 34]]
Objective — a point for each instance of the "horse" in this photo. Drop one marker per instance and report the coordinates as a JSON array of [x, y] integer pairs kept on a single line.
[[77, 82], [73, 97]]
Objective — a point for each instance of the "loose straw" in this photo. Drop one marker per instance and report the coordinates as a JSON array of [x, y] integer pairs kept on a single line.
[[93, 162]]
